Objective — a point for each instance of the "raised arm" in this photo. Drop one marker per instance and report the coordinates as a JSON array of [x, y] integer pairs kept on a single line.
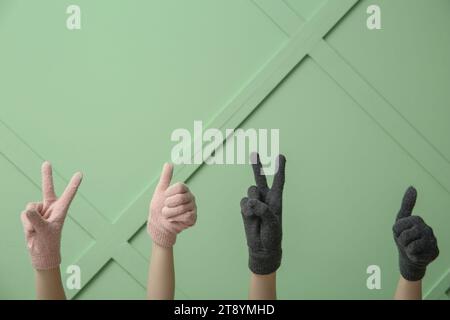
[[43, 223], [172, 210], [417, 247], [262, 215]]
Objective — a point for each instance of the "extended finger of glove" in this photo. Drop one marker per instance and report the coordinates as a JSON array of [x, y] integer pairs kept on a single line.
[[70, 191], [278, 180], [48, 189], [260, 177], [408, 203], [165, 177]]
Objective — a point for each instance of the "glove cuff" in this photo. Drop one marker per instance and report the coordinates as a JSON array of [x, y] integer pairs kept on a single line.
[[160, 236], [46, 262], [264, 262], [411, 272]]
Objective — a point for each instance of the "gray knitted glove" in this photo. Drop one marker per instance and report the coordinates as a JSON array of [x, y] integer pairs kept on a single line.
[[261, 212], [417, 245]]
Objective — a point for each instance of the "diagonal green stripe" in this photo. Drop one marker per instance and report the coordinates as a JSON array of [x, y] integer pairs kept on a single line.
[[402, 132], [440, 289], [281, 15]]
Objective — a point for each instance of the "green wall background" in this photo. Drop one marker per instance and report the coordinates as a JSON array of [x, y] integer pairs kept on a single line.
[[362, 115]]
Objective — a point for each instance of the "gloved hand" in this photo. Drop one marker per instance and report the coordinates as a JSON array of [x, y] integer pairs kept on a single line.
[[417, 245], [261, 211], [172, 210], [43, 221]]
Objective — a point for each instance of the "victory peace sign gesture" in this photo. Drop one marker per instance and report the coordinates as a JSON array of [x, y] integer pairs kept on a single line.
[[43, 221], [262, 212]]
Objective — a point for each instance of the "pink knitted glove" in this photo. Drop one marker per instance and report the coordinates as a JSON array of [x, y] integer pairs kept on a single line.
[[43, 221], [172, 210]]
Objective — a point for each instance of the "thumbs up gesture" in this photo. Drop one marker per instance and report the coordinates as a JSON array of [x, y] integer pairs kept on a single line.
[[415, 240], [43, 221], [261, 212], [172, 210]]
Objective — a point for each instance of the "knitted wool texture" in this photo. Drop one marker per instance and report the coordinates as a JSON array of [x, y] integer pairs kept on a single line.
[[172, 210], [417, 245], [43, 221], [262, 215]]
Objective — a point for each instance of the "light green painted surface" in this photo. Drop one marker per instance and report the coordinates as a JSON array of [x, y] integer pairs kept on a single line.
[[360, 119], [305, 9]]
